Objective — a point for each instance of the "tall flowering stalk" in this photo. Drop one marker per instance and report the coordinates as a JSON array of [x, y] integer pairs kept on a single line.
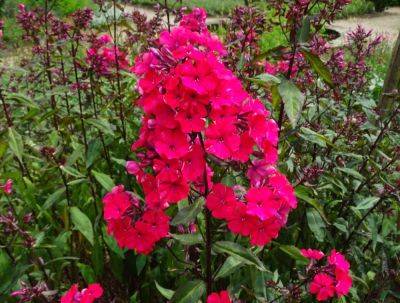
[[199, 125]]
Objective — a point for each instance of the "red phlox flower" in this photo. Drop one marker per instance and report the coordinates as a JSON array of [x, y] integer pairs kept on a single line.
[[172, 187], [142, 238], [117, 202], [221, 201], [222, 139], [7, 187], [322, 286], [240, 221], [312, 254], [262, 232], [87, 295], [192, 119], [158, 221], [221, 297], [333, 278], [171, 144], [261, 203], [193, 164]]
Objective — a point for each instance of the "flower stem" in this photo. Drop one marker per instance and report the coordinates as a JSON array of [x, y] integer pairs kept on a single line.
[[208, 277]]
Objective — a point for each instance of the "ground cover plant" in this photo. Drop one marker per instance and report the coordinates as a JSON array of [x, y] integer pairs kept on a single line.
[[152, 160]]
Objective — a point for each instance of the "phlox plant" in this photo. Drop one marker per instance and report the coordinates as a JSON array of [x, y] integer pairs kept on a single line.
[[150, 160]]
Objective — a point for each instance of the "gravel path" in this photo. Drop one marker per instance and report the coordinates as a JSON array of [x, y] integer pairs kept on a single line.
[[386, 24]]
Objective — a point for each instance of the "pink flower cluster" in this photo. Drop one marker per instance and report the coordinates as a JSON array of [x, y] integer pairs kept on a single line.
[[133, 227], [333, 278], [7, 187], [197, 115], [221, 297], [103, 56], [86, 295]]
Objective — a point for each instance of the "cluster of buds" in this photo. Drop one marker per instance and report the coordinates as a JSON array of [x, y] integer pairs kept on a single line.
[[245, 27], [104, 56], [38, 22], [296, 10], [29, 293], [144, 31], [11, 226], [311, 173]]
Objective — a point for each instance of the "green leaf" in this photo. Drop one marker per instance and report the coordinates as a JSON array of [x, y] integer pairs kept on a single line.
[[53, 198], [239, 252], [293, 100], [312, 136], [141, 261], [276, 97], [22, 99], [188, 213], [94, 152], [230, 265], [87, 273], [15, 143], [351, 172], [190, 292], [71, 171], [104, 180], [188, 239], [367, 203], [319, 67], [102, 125], [303, 193], [303, 35], [294, 253], [112, 244], [316, 224], [265, 79], [97, 257], [167, 293], [82, 223]]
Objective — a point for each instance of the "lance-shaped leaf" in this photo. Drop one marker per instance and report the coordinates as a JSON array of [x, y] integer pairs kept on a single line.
[[188, 213], [104, 180], [190, 292], [188, 239], [239, 252], [294, 253], [293, 100], [230, 265], [319, 67], [82, 223], [15, 143], [316, 224], [167, 293]]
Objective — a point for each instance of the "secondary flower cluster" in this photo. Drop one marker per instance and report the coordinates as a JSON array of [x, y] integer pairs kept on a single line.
[[221, 297], [103, 56], [86, 295], [263, 210], [197, 115], [331, 279], [132, 226]]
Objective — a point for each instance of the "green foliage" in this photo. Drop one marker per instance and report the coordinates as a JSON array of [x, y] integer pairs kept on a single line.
[[212, 7], [357, 8]]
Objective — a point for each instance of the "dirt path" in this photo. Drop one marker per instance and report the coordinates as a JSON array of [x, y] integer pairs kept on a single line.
[[386, 24]]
